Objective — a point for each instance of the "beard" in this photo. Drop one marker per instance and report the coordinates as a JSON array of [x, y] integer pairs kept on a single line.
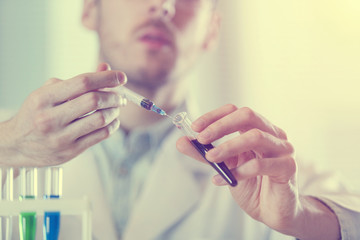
[[150, 70], [144, 66]]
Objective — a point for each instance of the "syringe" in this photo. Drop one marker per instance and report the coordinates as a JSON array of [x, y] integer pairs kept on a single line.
[[140, 101]]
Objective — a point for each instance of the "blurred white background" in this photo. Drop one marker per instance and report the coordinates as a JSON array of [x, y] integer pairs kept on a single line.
[[295, 62]]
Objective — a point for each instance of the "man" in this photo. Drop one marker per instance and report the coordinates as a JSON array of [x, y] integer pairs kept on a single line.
[[150, 191]]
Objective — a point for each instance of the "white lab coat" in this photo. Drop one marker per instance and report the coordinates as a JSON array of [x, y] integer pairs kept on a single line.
[[173, 200], [178, 201]]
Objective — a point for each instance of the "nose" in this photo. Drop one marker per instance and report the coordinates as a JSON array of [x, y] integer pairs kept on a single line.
[[163, 9]]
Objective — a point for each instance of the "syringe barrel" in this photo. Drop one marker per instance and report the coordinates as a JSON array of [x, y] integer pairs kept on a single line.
[[131, 96], [139, 100], [183, 122]]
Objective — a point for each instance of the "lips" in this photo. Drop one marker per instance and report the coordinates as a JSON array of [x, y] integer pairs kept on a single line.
[[156, 38]]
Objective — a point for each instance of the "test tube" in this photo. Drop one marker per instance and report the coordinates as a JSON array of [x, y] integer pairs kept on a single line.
[[6, 193], [53, 190], [28, 190], [1, 198], [182, 122]]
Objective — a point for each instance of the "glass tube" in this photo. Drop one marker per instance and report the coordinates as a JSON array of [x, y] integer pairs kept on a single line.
[[53, 182], [6, 193], [28, 190], [182, 122], [53, 190], [1, 198]]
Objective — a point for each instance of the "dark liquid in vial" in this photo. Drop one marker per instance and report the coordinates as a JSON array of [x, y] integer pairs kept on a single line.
[[221, 168]]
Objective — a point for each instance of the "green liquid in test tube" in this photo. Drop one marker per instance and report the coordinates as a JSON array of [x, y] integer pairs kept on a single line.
[[28, 190]]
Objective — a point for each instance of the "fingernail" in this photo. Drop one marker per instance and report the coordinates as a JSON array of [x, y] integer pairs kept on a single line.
[[198, 124], [204, 136], [114, 126], [121, 77]]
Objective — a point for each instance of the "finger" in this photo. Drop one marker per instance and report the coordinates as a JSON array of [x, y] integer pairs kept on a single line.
[[72, 88], [241, 120], [184, 146], [240, 159], [84, 104], [106, 67], [95, 137], [279, 170], [91, 123], [262, 143], [52, 81], [201, 123], [103, 67]]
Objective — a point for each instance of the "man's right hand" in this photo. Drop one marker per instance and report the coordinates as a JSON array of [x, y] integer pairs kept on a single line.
[[53, 125]]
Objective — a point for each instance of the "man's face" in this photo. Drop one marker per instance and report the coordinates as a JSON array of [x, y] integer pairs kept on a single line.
[[148, 43]]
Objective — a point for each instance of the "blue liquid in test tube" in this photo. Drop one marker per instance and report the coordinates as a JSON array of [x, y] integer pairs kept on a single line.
[[53, 190]]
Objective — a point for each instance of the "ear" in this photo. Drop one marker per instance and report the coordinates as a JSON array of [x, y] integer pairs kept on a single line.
[[89, 16], [213, 32]]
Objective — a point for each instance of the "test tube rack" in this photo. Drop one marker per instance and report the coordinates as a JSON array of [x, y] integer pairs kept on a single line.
[[77, 207], [66, 206]]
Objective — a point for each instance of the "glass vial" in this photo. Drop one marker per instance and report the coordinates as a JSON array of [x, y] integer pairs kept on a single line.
[[182, 122], [53, 190], [28, 190], [6, 194], [53, 182]]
